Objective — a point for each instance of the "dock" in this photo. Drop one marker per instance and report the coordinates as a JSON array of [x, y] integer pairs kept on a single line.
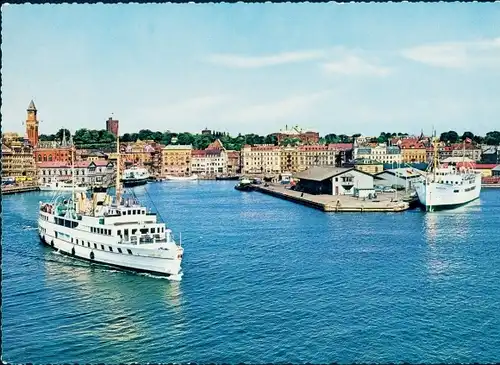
[[332, 203], [18, 189]]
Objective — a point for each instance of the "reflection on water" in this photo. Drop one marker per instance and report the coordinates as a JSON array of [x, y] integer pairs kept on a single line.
[[116, 296], [443, 231]]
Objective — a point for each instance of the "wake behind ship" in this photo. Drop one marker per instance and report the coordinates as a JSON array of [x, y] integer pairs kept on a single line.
[[448, 186]]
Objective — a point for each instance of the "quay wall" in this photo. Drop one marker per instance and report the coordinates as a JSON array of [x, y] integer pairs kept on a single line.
[[19, 189]]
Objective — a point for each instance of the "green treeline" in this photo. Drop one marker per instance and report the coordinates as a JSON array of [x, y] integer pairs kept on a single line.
[[88, 138]]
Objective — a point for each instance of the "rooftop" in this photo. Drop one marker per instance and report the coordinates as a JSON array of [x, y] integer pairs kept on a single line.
[[318, 173]]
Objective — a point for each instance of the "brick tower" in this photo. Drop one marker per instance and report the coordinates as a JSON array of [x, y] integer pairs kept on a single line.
[[32, 124]]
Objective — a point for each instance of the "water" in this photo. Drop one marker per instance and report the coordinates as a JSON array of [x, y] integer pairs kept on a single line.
[[265, 280]]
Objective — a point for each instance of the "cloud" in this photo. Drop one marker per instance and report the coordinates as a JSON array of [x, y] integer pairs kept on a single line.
[[191, 109], [353, 65], [241, 61], [281, 110], [457, 55]]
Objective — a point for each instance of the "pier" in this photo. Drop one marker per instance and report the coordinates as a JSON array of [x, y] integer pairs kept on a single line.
[[332, 203], [18, 189]]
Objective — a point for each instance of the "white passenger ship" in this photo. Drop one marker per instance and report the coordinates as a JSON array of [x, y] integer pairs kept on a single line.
[[448, 187], [63, 186], [115, 231]]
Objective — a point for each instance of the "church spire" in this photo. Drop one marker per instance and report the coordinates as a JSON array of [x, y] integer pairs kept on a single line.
[[32, 106], [63, 142]]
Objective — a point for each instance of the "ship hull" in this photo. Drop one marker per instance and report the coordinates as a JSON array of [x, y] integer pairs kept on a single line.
[[137, 261], [434, 196], [134, 182], [181, 178], [77, 189]]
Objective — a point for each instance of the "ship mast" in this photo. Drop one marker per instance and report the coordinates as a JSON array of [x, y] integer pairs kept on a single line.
[[117, 183], [73, 176], [435, 155]]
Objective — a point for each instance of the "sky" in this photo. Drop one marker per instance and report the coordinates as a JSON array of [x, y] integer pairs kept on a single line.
[[254, 68]]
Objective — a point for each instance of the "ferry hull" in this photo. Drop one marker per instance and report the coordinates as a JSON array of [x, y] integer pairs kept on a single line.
[[134, 182], [135, 262], [65, 189]]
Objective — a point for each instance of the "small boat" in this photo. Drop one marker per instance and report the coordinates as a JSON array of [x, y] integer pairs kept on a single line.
[[227, 177], [63, 186], [135, 176], [181, 178], [244, 185]]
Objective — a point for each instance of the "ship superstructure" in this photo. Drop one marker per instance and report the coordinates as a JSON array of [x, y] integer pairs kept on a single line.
[[448, 186], [112, 230]]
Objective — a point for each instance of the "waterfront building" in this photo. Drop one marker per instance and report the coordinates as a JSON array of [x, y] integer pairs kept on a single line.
[[234, 162], [210, 161], [412, 151], [368, 166], [485, 169], [444, 152], [176, 160], [112, 126], [9, 137], [495, 172], [316, 155], [490, 154], [308, 137], [471, 151], [262, 159], [18, 163], [48, 151], [403, 177], [138, 153], [335, 181], [344, 152], [86, 172], [86, 155], [289, 159], [380, 153], [32, 124]]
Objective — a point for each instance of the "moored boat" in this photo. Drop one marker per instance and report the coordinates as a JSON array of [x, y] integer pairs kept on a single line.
[[135, 176], [63, 186], [244, 185], [181, 178], [448, 186]]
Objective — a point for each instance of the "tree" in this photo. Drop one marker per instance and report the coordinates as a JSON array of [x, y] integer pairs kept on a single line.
[[449, 137], [59, 134], [271, 139], [331, 138], [466, 135]]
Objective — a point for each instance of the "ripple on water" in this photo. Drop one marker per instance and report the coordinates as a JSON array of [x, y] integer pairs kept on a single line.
[[264, 280]]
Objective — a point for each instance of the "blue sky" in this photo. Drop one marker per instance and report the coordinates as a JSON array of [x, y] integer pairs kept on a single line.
[[333, 68]]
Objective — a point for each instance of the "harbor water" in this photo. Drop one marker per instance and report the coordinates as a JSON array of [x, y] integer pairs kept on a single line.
[[265, 280]]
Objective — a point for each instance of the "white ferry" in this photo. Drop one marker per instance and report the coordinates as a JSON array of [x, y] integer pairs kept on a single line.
[[448, 187], [135, 176], [63, 186], [115, 231], [193, 177]]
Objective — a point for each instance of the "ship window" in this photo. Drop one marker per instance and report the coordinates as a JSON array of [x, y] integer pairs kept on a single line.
[[119, 250], [88, 244], [129, 251], [77, 241], [455, 191], [153, 230], [95, 246], [110, 249], [134, 212], [102, 247], [134, 231], [119, 232], [71, 239]]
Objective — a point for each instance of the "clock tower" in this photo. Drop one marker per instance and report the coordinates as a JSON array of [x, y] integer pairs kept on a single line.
[[32, 124]]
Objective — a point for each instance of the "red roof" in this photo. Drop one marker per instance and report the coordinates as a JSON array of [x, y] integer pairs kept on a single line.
[[78, 164], [479, 166]]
